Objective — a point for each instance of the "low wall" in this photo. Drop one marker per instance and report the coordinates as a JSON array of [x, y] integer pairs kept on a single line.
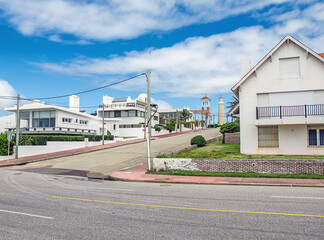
[[232, 138], [240, 165]]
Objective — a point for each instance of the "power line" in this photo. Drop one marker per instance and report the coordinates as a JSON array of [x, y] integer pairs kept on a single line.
[[78, 93], [94, 89]]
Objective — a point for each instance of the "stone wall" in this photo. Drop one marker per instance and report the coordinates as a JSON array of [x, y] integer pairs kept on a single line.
[[232, 138], [240, 165]]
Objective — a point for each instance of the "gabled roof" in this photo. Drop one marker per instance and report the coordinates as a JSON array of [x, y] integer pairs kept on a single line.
[[286, 38], [205, 98]]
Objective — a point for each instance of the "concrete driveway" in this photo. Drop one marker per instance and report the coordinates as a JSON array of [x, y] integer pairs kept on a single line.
[[104, 162]]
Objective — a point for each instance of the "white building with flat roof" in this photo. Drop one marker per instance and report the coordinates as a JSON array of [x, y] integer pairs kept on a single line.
[[130, 113], [39, 118]]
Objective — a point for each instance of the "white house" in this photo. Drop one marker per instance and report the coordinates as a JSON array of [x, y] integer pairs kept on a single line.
[[130, 113], [39, 118], [282, 101]]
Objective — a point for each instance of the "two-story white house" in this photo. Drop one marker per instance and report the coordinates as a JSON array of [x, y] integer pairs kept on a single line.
[[40, 118], [282, 101], [130, 113]]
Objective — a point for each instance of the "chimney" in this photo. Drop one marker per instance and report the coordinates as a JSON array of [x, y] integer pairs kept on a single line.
[[74, 103], [245, 66]]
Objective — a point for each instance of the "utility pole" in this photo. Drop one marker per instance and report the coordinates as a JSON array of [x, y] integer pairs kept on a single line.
[[145, 119], [103, 124], [148, 116], [177, 121], [17, 127]]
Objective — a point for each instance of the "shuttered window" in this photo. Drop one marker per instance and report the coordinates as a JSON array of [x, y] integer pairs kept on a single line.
[[289, 67], [268, 136]]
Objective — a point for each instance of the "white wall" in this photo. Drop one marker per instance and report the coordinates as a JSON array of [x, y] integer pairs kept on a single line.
[[267, 79], [7, 122]]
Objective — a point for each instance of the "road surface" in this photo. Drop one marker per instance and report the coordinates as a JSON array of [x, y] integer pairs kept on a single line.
[[36, 206], [104, 162]]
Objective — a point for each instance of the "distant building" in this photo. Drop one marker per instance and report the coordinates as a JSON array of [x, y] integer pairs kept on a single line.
[[205, 110], [130, 114], [172, 113], [39, 118], [282, 101]]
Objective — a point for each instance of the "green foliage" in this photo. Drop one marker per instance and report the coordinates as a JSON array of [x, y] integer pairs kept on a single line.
[[162, 156], [42, 139], [185, 114], [170, 126], [108, 133], [230, 127], [4, 145], [213, 125], [158, 129], [199, 140]]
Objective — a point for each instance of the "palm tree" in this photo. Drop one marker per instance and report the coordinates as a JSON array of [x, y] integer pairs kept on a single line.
[[233, 103], [185, 114]]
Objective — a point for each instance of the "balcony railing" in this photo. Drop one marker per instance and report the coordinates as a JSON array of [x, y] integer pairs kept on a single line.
[[290, 111], [55, 130]]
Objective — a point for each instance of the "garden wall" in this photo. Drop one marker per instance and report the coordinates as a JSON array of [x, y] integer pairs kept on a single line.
[[232, 138], [240, 165]]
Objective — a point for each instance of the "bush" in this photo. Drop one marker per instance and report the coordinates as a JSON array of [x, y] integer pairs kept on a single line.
[[213, 125], [199, 140], [170, 126], [162, 156], [158, 129], [4, 145], [230, 127], [42, 139]]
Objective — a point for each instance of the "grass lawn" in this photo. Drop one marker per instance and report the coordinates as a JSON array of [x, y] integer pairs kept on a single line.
[[232, 151]]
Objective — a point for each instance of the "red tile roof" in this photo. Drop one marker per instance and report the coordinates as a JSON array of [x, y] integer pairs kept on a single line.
[[321, 54], [205, 98]]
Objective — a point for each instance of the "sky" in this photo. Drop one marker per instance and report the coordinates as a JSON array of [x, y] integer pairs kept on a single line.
[[193, 47]]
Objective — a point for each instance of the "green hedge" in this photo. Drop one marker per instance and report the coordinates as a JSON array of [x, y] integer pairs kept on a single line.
[[42, 139], [4, 145], [199, 140]]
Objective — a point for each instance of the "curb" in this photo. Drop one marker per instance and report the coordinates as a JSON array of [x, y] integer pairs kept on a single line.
[[110, 177]]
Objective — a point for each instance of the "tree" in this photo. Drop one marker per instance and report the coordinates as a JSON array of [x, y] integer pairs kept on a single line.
[[233, 103], [171, 125], [185, 115]]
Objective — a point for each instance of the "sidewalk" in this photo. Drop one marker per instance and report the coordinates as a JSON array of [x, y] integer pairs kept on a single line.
[[65, 153], [70, 152], [137, 174]]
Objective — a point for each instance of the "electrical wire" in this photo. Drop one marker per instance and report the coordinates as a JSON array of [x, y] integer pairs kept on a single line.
[[94, 89]]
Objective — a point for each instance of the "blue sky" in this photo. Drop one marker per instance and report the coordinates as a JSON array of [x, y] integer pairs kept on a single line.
[[193, 47]]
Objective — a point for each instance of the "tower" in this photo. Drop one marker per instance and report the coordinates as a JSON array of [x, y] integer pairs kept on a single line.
[[205, 109], [221, 111]]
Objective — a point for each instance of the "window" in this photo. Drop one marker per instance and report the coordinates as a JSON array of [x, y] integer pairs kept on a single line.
[[43, 119], [268, 136], [124, 113], [67, 120], [83, 122], [315, 135], [114, 126], [117, 114], [132, 113], [289, 67]]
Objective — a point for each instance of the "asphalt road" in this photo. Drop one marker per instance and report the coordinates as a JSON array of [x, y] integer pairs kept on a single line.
[[36, 206], [106, 161]]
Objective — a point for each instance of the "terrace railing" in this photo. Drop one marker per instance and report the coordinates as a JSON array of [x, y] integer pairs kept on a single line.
[[290, 111]]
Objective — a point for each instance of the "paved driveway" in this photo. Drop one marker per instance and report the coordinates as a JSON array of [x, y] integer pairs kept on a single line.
[[107, 161]]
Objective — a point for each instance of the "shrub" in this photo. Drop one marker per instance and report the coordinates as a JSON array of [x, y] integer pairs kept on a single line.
[[230, 127], [4, 145], [158, 129], [42, 139], [170, 126], [162, 156], [199, 140]]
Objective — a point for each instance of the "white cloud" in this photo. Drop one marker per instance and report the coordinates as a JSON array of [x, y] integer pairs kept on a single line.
[[6, 90], [118, 19], [199, 65], [162, 104]]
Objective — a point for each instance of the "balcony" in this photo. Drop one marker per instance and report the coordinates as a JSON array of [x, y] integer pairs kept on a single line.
[[54, 130], [298, 114]]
